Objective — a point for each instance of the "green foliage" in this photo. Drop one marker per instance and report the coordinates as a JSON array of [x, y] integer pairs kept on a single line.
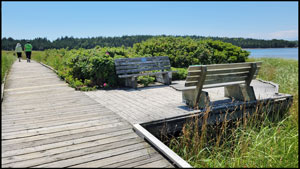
[[85, 69], [7, 59], [185, 51], [146, 80], [180, 74]]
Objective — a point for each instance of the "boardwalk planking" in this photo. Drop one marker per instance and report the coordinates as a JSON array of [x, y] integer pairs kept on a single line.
[[45, 123]]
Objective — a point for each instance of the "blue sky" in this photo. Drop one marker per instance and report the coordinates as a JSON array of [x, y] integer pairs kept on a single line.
[[259, 20]]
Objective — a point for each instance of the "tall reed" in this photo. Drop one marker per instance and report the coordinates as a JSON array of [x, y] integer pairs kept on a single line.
[[266, 138], [7, 59]]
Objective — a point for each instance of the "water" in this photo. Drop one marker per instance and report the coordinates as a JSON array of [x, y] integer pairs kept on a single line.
[[287, 53]]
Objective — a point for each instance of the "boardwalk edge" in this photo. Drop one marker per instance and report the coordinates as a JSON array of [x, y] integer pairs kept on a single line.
[[171, 155], [3, 84]]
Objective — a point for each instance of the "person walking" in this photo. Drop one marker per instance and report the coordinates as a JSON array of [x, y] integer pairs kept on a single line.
[[28, 49], [19, 51]]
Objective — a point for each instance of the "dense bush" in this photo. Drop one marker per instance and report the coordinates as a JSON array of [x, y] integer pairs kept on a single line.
[[186, 51], [180, 74]]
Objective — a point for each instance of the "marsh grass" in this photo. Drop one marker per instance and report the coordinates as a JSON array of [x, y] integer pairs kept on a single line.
[[264, 139], [7, 59]]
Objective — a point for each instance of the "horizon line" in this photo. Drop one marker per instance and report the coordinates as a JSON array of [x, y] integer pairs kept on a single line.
[[143, 35]]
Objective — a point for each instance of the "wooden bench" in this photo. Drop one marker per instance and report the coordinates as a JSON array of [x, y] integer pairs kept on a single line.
[[235, 78], [131, 68]]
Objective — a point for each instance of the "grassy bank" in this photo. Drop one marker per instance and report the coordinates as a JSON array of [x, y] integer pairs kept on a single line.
[[257, 142], [7, 59]]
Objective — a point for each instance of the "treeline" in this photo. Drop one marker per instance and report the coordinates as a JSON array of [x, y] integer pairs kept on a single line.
[[129, 41]]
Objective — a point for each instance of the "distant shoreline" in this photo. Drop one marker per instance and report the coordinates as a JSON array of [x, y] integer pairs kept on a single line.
[[271, 48]]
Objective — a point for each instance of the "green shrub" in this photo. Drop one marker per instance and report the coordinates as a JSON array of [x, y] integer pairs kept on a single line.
[[146, 80], [180, 74], [186, 51]]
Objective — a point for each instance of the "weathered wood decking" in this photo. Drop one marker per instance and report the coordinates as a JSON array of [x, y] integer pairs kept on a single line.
[[45, 123], [160, 102]]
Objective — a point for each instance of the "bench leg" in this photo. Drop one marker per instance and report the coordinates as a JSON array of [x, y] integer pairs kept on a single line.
[[240, 92], [188, 97], [131, 82], [163, 78], [134, 82]]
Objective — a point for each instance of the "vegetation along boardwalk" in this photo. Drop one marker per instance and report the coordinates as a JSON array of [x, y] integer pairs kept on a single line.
[[45, 123]]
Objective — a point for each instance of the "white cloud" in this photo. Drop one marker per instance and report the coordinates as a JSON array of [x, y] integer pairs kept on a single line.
[[284, 34], [287, 34]]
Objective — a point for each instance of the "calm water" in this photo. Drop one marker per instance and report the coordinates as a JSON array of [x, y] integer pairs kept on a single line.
[[288, 53]]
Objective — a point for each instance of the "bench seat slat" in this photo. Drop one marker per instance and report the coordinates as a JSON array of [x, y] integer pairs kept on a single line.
[[141, 70], [140, 66], [139, 59], [225, 79], [215, 81], [137, 63], [217, 71], [224, 66], [143, 74], [217, 76]]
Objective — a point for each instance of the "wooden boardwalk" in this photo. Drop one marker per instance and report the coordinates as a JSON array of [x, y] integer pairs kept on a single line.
[[159, 101], [45, 123]]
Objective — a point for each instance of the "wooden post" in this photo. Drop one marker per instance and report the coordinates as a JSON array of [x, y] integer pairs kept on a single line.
[[200, 85], [134, 82], [251, 74]]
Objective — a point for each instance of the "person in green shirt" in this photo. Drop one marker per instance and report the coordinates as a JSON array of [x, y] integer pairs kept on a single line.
[[19, 51], [28, 49]]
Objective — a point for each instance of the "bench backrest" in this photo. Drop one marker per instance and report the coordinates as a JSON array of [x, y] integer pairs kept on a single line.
[[136, 65], [218, 75]]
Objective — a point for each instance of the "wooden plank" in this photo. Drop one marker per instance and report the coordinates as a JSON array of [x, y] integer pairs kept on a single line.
[[49, 130], [60, 138], [222, 84], [31, 87], [41, 137], [234, 79], [216, 76], [135, 161], [144, 74], [105, 133], [75, 151], [161, 147], [139, 59], [114, 159], [47, 124], [95, 156], [225, 76], [160, 163], [216, 71], [227, 79], [137, 66], [222, 66], [223, 71], [41, 119], [135, 63], [141, 70]]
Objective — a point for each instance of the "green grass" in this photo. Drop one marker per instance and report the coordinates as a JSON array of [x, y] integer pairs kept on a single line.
[[258, 142], [7, 59]]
